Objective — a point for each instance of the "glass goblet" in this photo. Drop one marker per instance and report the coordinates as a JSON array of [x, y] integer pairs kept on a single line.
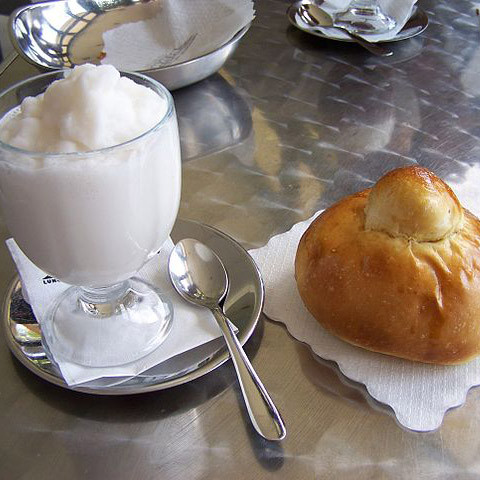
[[365, 16], [93, 219]]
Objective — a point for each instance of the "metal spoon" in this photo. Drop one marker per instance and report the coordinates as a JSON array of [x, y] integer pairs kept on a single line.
[[199, 276], [316, 17]]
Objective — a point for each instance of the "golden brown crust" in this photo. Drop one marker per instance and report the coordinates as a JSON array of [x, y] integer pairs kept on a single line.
[[415, 203], [393, 294]]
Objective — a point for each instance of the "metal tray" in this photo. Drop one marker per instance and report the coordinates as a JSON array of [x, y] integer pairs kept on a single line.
[[60, 34], [243, 306]]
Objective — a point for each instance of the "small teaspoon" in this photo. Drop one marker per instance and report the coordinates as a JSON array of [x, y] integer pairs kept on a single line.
[[200, 277]]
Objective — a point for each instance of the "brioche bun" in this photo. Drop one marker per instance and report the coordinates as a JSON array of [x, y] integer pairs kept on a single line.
[[396, 269]]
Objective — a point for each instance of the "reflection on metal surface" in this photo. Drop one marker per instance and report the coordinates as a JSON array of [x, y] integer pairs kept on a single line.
[[212, 116], [63, 33]]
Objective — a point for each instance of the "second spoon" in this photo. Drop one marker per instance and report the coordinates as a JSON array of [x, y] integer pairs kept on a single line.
[[316, 17]]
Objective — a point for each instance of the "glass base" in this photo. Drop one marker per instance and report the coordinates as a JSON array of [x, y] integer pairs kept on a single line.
[[107, 327], [362, 18]]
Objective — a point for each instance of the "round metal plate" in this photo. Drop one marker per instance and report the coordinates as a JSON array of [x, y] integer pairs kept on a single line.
[[243, 306], [415, 25]]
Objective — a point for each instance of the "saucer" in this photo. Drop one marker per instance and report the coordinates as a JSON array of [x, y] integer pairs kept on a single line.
[[415, 25], [243, 306]]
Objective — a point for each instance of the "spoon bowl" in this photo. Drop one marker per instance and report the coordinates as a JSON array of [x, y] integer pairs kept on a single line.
[[199, 276]]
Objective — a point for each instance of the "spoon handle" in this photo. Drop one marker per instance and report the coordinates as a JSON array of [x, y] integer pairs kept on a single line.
[[265, 417], [374, 48]]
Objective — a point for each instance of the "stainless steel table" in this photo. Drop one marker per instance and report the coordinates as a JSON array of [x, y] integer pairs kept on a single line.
[[289, 125]]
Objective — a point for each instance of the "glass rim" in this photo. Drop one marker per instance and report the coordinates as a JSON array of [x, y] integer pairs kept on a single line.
[[88, 153]]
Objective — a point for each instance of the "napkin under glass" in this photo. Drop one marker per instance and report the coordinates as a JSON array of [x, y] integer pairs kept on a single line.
[[419, 394], [400, 11], [192, 326]]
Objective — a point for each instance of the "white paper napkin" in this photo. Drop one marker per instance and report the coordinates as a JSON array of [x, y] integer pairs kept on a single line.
[[419, 394], [178, 30], [400, 11], [192, 326]]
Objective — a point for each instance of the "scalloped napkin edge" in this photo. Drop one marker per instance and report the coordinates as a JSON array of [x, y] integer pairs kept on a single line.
[[419, 394]]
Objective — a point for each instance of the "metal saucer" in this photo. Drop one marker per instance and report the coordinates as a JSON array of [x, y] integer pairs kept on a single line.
[[243, 306], [63, 33], [415, 25]]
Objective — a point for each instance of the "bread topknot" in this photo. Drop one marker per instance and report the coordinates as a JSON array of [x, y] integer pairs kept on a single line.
[[413, 202]]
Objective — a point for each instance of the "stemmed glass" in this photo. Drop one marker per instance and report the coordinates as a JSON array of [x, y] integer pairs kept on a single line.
[[365, 16], [93, 219]]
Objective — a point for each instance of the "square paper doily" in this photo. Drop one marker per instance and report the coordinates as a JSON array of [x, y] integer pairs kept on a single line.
[[419, 394]]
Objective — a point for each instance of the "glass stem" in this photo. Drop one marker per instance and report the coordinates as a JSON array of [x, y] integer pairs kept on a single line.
[[365, 16], [367, 7], [105, 301]]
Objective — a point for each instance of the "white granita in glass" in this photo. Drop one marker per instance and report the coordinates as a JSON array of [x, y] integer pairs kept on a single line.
[[88, 213]]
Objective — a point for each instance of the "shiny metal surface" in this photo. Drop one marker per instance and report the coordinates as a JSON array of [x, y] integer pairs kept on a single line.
[[243, 304], [200, 277], [415, 25], [317, 120], [62, 33], [316, 17]]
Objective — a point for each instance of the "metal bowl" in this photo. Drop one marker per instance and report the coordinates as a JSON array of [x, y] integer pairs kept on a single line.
[[61, 34]]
